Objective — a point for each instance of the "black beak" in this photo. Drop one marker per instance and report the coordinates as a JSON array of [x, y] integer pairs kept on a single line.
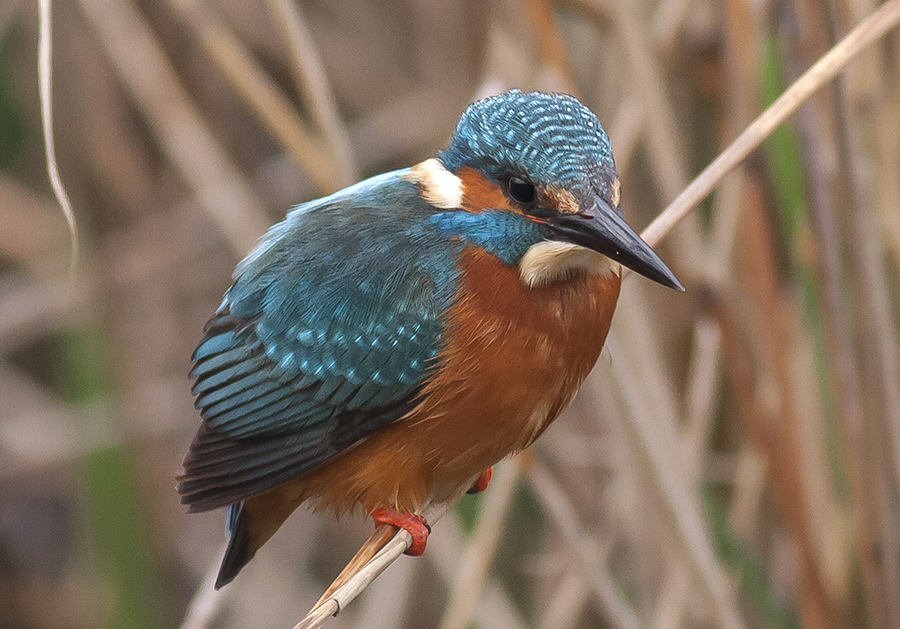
[[602, 229]]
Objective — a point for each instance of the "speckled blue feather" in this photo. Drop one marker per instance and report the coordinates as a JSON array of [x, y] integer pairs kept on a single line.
[[544, 138], [351, 289]]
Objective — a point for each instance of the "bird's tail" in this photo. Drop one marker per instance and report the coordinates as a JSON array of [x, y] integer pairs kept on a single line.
[[240, 549], [249, 533], [250, 523]]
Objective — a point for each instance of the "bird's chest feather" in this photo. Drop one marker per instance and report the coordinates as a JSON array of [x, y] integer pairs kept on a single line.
[[513, 357]]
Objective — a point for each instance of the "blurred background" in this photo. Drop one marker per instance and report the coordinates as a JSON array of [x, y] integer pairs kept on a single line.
[[734, 459]]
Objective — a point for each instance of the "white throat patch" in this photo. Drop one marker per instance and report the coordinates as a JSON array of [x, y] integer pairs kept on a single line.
[[550, 260], [438, 186]]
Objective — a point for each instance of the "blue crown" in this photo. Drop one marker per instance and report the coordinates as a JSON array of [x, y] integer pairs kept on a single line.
[[544, 138]]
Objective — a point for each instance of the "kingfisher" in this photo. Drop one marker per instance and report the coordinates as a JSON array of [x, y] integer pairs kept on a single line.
[[385, 346]]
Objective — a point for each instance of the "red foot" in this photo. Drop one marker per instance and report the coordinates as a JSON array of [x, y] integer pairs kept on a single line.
[[481, 483], [414, 524]]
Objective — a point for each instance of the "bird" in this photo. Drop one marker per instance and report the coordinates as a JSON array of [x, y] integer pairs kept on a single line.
[[383, 347]]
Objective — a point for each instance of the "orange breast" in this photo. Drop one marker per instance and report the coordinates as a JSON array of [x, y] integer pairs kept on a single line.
[[512, 360]]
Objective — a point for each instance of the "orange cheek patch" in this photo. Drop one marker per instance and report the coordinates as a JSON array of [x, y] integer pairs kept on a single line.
[[480, 193]]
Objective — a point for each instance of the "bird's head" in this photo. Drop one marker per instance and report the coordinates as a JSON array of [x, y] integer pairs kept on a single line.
[[531, 177]]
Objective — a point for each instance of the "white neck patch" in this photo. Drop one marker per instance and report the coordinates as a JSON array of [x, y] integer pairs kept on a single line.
[[551, 260], [438, 186]]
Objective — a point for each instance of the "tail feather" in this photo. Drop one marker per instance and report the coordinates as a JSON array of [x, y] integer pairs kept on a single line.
[[250, 524], [239, 550]]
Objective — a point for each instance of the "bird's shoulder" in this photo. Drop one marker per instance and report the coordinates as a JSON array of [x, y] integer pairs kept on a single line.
[[351, 286]]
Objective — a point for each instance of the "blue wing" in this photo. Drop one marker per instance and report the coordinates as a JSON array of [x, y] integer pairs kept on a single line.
[[326, 335]]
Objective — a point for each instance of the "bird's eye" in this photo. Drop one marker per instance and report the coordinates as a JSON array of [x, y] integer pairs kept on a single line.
[[520, 190]]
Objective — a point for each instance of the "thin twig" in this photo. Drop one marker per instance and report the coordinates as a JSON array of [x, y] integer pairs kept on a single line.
[[388, 597], [825, 69], [358, 582], [45, 78]]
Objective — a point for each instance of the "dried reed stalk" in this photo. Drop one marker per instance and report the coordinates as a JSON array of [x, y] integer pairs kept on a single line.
[[45, 79], [597, 575], [826, 68], [353, 583]]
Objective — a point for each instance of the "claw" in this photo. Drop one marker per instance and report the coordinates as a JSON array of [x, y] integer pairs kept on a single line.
[[481, 483], [413, 523]]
